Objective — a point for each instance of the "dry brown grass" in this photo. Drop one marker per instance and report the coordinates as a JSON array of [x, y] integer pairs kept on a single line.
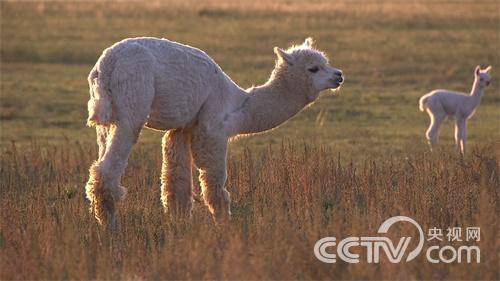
[[284, 201]]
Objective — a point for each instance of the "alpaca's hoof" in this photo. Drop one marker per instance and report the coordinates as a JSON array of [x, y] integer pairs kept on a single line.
[[222, 216], [103, 205], [112, 224], [222, 219], [179, 210]]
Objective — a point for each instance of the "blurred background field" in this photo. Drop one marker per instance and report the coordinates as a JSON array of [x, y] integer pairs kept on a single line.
[[339, 168], [392, 52]]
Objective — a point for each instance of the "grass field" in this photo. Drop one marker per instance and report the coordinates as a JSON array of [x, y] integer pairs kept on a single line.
[[340, 167], [283, 202]]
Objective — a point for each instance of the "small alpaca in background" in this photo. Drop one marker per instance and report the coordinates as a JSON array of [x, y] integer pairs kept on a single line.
[[440, 103]]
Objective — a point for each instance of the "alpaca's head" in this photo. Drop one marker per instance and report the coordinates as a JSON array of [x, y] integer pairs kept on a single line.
[[482, 76], [309, 65]]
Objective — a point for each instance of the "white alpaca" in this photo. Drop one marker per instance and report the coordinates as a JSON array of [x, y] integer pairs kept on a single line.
[[176, 88], [440, 103]]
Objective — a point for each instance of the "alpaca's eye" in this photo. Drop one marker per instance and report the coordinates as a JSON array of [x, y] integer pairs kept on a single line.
[[314, 69]]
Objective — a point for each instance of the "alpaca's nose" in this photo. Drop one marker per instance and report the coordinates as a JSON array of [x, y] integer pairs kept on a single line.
[[339, 76]]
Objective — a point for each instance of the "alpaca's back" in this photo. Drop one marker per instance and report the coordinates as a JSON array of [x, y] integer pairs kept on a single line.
[[171, 53], [443, 100], [166, 58], [182, 78]]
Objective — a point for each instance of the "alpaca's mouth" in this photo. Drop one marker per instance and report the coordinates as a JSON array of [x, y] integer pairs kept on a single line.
[[336, 86], [338, 82]]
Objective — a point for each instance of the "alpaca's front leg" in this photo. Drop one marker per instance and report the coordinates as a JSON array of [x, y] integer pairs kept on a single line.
[[460, 134], [176, 177], [209, 155]]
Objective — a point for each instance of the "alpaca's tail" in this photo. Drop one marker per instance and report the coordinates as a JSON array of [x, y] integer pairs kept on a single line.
[[99, 105], [423, 103]]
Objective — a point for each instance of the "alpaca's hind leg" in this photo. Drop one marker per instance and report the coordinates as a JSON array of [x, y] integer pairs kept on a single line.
[[103, 188], [460, 134], [102, 135], [433, 130], [176, 173], [209, 155], [132, 93]]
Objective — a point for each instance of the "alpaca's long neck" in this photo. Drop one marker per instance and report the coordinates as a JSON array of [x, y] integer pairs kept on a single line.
[[476, 93], [272, 104]]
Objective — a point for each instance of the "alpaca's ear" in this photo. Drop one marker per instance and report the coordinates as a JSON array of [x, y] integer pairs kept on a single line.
[[478, 69], [309, 42], [488, 69], [284, 55]]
